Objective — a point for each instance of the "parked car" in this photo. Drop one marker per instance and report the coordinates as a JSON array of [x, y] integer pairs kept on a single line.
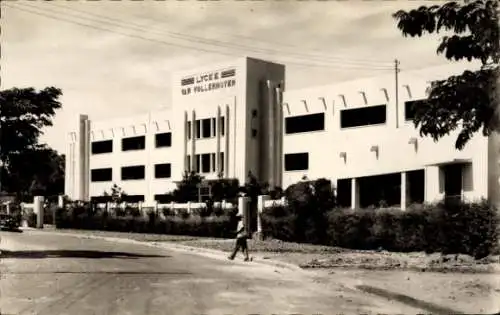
[[8, 222]]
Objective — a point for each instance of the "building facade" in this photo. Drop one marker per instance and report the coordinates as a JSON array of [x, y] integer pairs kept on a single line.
[[234, 118]]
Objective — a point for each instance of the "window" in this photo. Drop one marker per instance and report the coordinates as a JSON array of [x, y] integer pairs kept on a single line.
[[214, 162], [205, 163], [365, 116], [188, 163], [410, 109], [189, 130], [305, 123], [222, 161], [296, 161], [164, 198], [133, 172], [214, 127], [163, 139], [198, 129], [197, 163], [222, 122], [133, 198], [206, 130], [162, 170], [101, 175], [100, 147], [134, 143]]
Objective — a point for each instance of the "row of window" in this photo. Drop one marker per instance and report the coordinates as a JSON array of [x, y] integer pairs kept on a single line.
[[162, 140], [130, 173], [205, 128], [205, 163], [355, 117]]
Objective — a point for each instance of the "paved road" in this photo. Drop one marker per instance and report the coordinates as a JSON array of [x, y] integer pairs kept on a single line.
[[47, 274]]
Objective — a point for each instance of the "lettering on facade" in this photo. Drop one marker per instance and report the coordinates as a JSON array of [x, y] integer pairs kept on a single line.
[[208, 82]]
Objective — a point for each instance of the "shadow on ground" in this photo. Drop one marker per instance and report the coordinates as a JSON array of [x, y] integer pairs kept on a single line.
[[41, 254], [142, 273], [408, 300]]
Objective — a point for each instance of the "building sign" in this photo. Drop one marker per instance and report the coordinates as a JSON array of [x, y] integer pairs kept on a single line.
[[208, 82]]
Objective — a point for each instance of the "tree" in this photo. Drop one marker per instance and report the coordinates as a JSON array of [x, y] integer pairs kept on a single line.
[[23, 115], [187, 188], [37, 171], [467, 102]]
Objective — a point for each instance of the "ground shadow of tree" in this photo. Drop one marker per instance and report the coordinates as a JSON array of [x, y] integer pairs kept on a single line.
[[41, 254]]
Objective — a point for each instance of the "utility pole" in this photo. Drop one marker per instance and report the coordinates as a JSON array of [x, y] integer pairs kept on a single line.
[[396, 74]]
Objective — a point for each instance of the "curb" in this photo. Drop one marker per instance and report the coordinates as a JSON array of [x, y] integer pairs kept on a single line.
[[212, 253]]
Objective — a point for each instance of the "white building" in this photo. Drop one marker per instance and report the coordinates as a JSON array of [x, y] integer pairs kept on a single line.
[[234, 118]]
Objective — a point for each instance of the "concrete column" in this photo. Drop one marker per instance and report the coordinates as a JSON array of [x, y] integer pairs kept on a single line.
[[279, 136], [271, 133], [404, 190], [7, 206], [354, 194], [260, 208], [38, 210], [226, 149], [193, 140], [189, 206], [185, 142], [217, 131]]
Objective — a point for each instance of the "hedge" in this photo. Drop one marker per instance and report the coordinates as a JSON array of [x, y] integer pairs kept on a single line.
[[453, 228], [222, 226]]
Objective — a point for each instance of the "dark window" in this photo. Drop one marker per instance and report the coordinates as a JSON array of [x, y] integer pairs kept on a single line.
[[222, 125], [305, 123], [197, 163], [410, 109], [101, 175], [162, 170], [163, 139], [296, 162], [134, 143], [164, 198], [100, 147], [133, 198], [214, 127], [206, 130], [188, 163], [133, 172], [214, 162], [222, 161], [198, 129], [205, 163], [365, 116], [189, 130]]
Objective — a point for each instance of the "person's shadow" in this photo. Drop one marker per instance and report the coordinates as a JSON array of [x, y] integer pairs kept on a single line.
[[94, 254]]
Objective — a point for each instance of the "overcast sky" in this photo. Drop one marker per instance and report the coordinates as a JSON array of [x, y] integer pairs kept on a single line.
[[113, 57]]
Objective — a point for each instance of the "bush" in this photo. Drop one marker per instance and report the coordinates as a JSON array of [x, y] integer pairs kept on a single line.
[[451, 228], [185, 224]]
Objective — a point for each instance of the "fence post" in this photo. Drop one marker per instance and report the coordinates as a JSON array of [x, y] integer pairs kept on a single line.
[[261, 201], [243, 211], [60, 201], [7, 206], [38, 209], [189, 206]]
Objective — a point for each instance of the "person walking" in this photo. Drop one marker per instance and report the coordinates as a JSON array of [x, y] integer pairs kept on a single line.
[[241, 240]]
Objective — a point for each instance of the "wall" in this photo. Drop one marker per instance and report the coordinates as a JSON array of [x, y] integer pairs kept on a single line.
[[396, 153]]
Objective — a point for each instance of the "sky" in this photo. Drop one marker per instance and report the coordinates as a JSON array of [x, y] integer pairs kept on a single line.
[[114, 58]]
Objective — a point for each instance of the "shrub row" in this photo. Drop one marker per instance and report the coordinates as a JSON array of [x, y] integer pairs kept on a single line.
[[467, 228], [193, 225]]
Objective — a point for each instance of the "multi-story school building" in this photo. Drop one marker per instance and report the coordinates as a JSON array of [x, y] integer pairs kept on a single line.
[[238, 117]]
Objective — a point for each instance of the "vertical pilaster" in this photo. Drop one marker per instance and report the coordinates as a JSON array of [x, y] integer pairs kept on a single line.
[[354, 193]]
